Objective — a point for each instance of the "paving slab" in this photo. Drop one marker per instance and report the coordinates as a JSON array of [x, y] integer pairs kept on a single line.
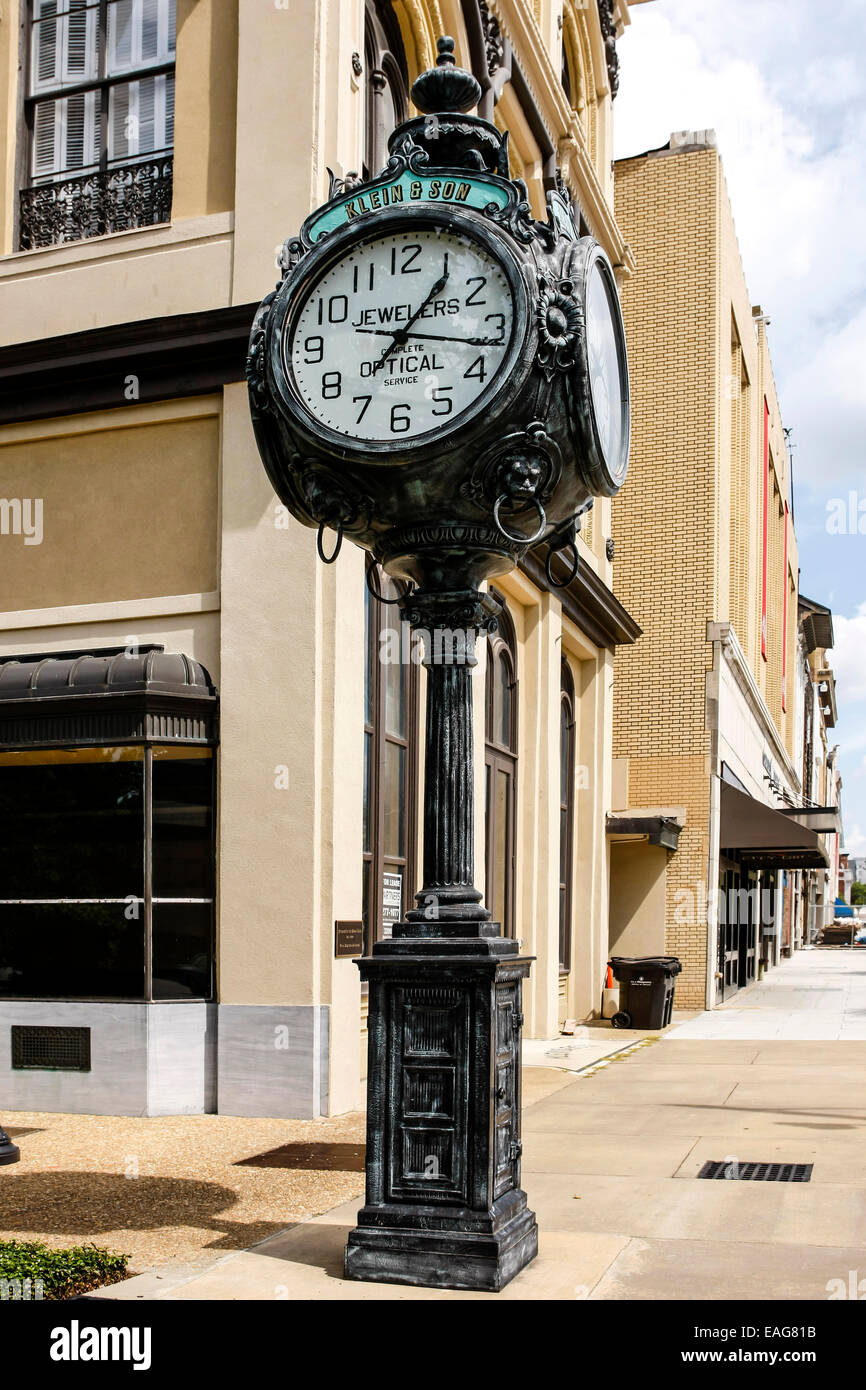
[[707, 1269], [551, 1151]]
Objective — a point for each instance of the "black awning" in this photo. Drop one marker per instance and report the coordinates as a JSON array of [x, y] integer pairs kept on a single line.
[[765, 838], [105, 695]]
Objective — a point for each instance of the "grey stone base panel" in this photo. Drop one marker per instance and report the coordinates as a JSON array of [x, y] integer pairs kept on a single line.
[[443, 1260], [175, 1059], [273, 1060]]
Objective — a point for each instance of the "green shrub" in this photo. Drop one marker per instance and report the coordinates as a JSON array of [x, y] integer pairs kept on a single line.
[[30, 1270]]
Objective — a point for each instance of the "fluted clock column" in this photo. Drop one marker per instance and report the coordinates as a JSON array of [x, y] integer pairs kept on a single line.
[[449, 903]]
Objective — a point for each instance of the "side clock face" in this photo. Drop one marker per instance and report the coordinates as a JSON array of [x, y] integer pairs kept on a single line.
[[607, 373], [404, 336]]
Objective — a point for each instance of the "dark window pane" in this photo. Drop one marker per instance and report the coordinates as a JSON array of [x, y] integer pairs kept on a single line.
[[501, 866], [504, 731], [394, 794], [72, 829], [394, 672], [182, 950], [365, 904], [368, 792], [72, 951], [564, 750], [183, 855], [370, 639]]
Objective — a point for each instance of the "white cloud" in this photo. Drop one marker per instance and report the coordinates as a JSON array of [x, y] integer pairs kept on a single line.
[[791, 134], [849, 658], [855, 841]]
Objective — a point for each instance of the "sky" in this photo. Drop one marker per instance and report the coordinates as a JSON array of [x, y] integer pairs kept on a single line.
[[783, 84]]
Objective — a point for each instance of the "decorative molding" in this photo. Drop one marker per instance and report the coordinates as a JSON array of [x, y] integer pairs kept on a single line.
[[724, 634], [181, 355], [125, 610], [587, 601], [520, 28]]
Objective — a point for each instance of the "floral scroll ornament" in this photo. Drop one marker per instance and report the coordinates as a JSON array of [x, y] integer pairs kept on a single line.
[[559, 323]]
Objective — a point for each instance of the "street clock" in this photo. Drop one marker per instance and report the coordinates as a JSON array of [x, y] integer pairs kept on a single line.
[[438, 373], [442, 378]]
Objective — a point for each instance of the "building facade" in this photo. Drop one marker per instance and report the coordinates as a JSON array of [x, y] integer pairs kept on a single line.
[[209, 774], [710, 843]]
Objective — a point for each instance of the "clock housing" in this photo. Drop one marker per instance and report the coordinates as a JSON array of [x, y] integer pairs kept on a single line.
[[450, 482]]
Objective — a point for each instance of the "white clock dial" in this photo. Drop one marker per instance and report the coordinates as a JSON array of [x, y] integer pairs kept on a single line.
[[604, 366], [402, 336]]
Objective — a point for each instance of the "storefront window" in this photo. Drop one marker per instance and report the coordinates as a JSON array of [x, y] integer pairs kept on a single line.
[[107, 873]]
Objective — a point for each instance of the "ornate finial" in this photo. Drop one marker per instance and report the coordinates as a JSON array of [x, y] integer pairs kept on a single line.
[[445, 87]]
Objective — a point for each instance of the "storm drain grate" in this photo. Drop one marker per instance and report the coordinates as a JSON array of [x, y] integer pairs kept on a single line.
[[50, 1049], [734, 1171]]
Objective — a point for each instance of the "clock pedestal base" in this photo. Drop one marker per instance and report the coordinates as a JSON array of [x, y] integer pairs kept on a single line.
[[444, 1206]]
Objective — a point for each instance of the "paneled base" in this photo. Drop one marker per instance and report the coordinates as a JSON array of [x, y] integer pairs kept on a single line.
[[443, 1259]]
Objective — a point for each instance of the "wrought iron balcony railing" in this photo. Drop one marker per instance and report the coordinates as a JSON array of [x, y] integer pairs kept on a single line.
[[110, 200]]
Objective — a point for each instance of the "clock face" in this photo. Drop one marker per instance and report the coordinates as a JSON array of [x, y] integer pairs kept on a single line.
[[603, 353], [403, 336]]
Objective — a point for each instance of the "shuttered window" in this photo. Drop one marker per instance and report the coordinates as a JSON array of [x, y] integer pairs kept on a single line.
[[117, 56]]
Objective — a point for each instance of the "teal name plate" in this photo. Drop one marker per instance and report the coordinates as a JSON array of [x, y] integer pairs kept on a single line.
[[405, 188]]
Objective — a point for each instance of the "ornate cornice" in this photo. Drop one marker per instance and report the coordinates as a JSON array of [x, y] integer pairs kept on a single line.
[[578, 171]]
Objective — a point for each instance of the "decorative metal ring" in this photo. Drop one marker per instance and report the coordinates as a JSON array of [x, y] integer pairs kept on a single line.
[[521, 540], [329, 559], [379, 597], [562, 583]]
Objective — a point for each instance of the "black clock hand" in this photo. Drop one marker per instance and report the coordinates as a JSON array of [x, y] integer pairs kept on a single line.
[[438, 337], [401, 334]]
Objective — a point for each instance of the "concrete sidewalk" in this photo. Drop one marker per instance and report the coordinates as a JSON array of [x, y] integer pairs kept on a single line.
[[611, 1157]]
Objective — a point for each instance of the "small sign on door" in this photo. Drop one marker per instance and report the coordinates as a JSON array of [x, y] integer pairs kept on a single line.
[[392, 901]]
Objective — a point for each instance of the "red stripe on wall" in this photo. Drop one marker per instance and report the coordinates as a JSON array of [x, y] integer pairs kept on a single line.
[[766, 531], [785, 621]]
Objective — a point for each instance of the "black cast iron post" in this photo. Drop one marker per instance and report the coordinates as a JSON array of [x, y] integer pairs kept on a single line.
[[444, 1205]]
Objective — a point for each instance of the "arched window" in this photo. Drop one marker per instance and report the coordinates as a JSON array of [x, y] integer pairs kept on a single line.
[[390, 766], [501, 770], [566, 811], [387, 78]]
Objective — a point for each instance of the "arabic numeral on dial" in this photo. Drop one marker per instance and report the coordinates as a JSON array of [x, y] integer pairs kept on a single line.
[[476, 369], [409, 255], [441, 399], [364, 408], [331, 388], [400, 423], [355, 277], [314, 344], [472, 299], [337, 310], [500, 331]]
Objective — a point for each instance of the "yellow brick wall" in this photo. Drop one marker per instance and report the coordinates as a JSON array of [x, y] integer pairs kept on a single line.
[[665, 519], [688, 524]]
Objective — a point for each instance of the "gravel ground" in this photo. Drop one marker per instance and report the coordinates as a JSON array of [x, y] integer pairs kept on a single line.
[[165, 1189]]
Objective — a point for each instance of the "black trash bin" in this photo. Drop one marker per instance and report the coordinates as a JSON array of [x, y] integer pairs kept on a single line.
[[646, 990]]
